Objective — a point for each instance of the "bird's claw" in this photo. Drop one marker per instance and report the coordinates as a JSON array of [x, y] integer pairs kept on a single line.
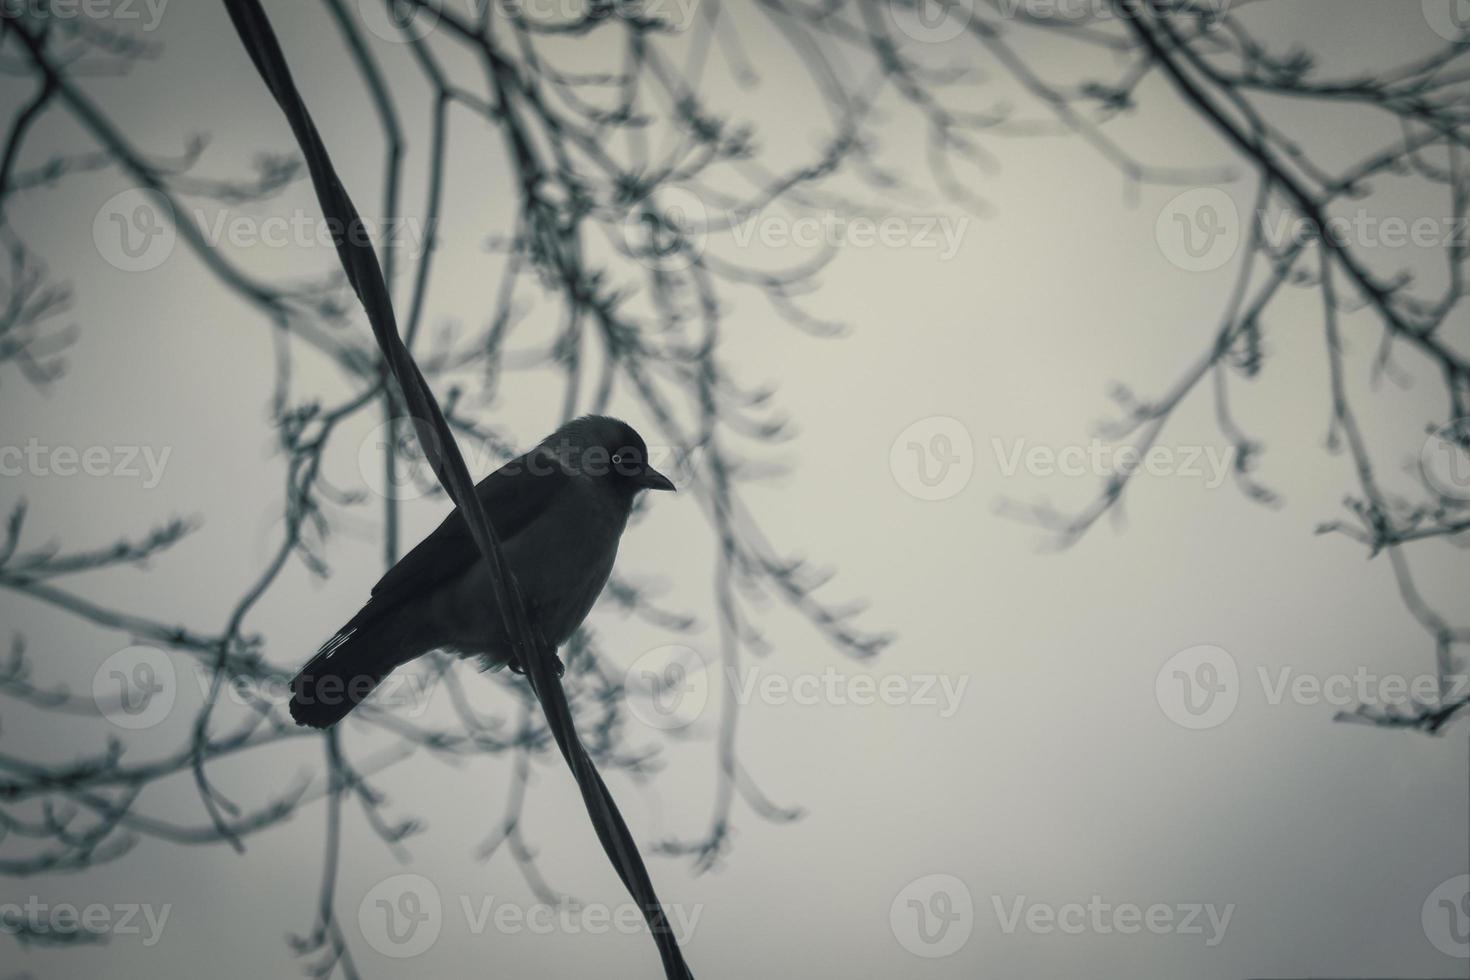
[[516, 667]]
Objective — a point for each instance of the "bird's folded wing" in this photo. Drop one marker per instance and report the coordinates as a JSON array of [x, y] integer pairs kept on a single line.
[[512, 497]]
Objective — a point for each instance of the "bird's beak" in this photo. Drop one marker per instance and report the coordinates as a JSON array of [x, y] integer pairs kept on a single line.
[[652, 479]]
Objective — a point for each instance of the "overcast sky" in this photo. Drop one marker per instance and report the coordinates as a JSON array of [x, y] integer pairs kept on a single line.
[[1021, 786]]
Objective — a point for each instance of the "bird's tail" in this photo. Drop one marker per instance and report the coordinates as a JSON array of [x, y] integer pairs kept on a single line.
[[345, 671]]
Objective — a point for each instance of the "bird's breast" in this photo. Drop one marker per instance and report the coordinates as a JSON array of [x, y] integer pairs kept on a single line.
[[563, 578], [562, 561]]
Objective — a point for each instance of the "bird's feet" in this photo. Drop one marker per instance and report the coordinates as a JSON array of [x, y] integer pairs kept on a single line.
[[517, 667]]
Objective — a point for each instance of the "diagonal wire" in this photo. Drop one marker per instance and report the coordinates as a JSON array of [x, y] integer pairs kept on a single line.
[[360, 262]]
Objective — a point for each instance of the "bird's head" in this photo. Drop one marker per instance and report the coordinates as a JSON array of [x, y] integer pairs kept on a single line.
[[608, 450]]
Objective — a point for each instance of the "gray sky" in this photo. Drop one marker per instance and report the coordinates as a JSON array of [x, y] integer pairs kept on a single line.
[[1036, 760]]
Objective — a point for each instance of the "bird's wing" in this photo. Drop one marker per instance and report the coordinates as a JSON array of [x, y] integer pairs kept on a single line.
[[512, 496]]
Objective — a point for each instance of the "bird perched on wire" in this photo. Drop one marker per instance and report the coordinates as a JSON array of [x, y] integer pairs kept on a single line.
[[558, 511]]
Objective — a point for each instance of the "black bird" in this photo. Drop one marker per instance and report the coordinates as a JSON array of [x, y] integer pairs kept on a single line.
[[558, 511]]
